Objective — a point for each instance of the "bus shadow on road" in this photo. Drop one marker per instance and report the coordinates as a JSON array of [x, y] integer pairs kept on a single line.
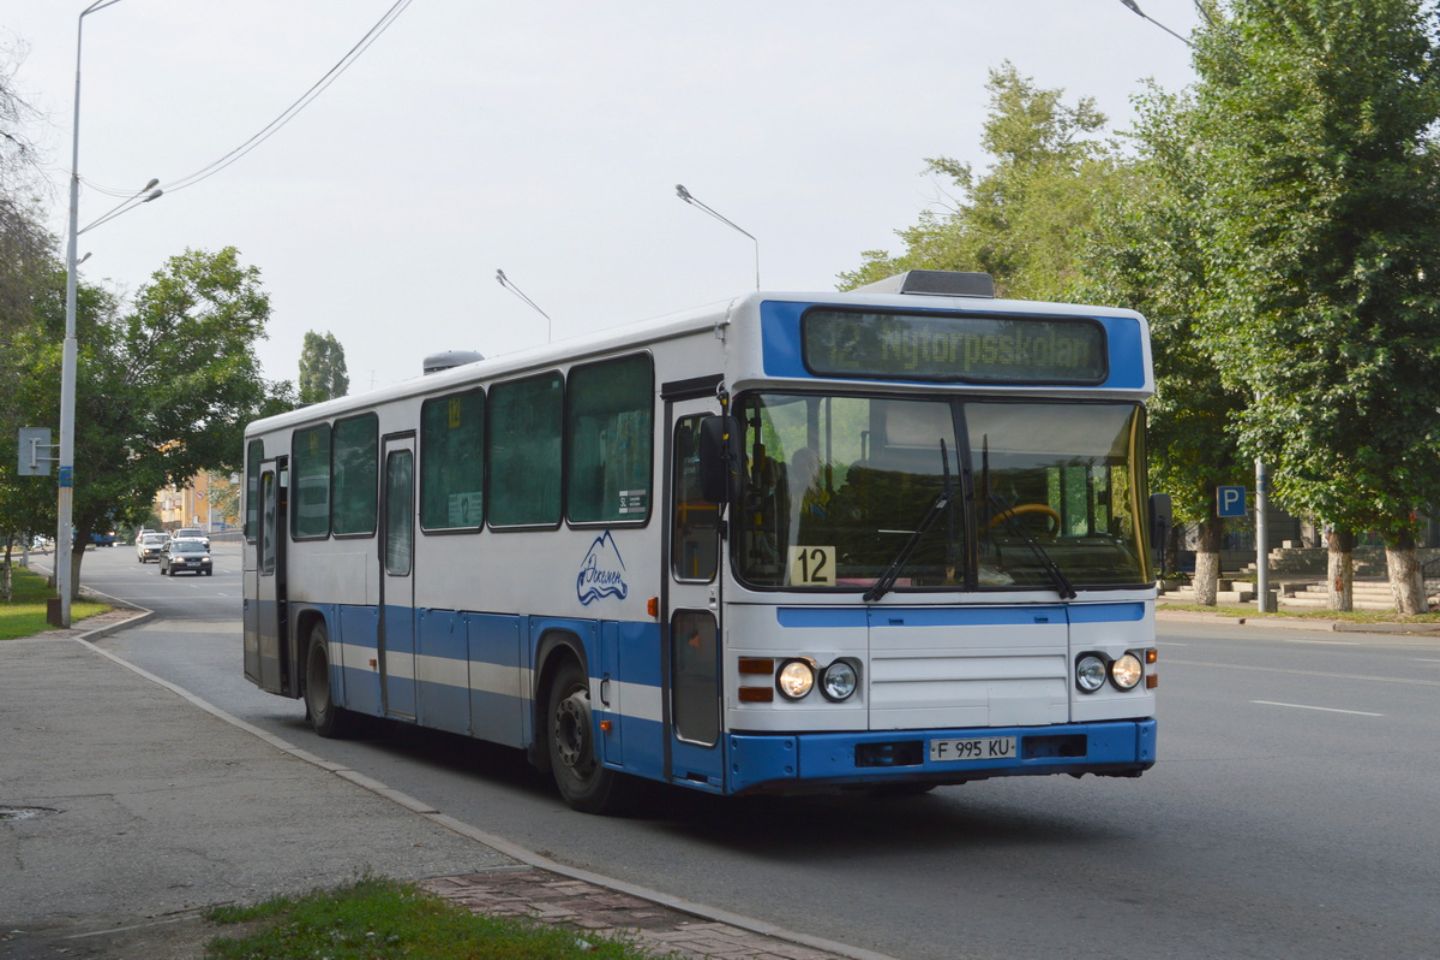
[[828, 825], [854, 824]]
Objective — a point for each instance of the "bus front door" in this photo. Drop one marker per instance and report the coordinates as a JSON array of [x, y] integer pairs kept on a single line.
[[397, 582], [267, 655], [690, 631]]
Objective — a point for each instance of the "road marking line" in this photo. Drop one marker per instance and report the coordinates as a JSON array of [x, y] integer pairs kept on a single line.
[[1425, 660], [1407, 681], [1305, 706]]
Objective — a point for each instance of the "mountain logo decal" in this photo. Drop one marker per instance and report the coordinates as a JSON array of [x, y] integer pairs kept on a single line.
[[602, 572]]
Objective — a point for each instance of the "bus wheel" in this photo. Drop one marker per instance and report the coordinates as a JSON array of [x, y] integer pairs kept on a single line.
[[327, 719], [583, 782]]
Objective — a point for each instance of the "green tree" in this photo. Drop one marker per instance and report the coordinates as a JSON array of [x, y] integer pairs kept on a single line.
[[1148, 254], [26, 260], [1026, 219], [163, 390], [322, 368], [1322, 212]]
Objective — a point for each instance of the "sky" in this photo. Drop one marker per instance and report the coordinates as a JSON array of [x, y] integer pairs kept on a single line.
[[544, 139]]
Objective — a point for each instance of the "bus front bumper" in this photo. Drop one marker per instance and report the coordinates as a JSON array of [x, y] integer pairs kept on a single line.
[[775, 763]]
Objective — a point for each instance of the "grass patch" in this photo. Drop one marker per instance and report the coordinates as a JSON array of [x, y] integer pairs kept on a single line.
[[376, 919], [1350, 616], [24, 615]]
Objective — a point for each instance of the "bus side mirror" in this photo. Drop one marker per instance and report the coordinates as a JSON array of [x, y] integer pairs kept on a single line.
[[719, 458]]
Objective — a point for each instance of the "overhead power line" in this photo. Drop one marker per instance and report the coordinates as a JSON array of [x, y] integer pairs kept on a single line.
[[300, 103]]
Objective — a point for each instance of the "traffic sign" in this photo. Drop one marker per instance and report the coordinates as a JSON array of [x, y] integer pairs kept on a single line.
[[1230, 501], [36, 452]]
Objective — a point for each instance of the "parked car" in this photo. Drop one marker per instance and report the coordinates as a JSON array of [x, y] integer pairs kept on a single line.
[[150, 546], [191, 533], [188, 554]]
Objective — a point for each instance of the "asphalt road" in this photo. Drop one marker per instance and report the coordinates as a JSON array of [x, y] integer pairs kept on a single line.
[[1293, 811]]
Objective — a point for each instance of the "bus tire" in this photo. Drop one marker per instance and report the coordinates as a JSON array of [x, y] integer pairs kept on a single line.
[[325, 717], [584, 783]]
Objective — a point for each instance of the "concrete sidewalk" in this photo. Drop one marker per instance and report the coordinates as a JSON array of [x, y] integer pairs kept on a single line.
[[123, 804], [125, 809]]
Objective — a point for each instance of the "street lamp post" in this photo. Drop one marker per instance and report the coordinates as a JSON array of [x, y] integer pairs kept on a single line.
[[65, 507], [689, 198]]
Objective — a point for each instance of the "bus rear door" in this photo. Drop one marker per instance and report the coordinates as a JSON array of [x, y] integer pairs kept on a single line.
[[267, 648], [397, 581]]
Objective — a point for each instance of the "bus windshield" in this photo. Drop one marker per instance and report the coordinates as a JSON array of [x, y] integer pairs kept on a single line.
[[835, 488]]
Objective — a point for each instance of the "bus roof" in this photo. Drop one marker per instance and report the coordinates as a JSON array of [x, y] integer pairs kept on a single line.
[[655, 330]]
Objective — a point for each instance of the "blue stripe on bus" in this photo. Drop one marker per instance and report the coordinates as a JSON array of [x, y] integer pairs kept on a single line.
[[1106, 612], [780, 338], [495, 639], [639, 644], [750, 759], [803, 617], [359, 625], [965, 616], [1127, 357], [820, 617], [758, 759], [830, 617], [781, 346]]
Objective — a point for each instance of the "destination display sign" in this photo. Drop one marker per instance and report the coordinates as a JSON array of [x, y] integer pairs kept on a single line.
[[985, 349]]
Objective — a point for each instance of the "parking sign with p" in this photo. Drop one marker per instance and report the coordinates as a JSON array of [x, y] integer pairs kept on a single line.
[[1230, 501]]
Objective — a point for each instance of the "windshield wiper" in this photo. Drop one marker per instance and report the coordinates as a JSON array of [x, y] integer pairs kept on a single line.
[[1057, 576], [937, 506]]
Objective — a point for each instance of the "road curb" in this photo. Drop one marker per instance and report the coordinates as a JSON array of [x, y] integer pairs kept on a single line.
[[499, 844]]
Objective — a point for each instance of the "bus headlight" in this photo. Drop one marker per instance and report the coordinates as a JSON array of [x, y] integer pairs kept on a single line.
[[1126, 672], [795, 679], [839, 680], [1090, 673]]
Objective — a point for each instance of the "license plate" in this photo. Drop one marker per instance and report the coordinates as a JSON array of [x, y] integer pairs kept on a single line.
[[980, 748]]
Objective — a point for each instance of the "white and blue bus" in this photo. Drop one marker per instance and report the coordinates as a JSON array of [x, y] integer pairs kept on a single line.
[[884, 539]]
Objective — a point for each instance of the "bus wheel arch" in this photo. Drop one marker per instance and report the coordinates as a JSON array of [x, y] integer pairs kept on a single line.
[[566, 737]]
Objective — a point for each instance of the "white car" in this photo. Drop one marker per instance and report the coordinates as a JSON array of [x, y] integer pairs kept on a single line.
[[149, 546], [191, 533]]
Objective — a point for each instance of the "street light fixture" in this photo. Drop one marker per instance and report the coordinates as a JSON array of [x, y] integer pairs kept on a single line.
[[1134, 8], [509, 284], [689, 198], [126, 205]]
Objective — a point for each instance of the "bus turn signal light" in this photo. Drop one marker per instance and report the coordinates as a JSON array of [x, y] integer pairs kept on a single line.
[[606, 726], [757, 666], [652, 606], [1152, 681], [1151, 654], [756, 695]]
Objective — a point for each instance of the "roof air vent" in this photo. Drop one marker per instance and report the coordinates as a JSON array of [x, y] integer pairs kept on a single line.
[[450, 358], [934, 283]]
